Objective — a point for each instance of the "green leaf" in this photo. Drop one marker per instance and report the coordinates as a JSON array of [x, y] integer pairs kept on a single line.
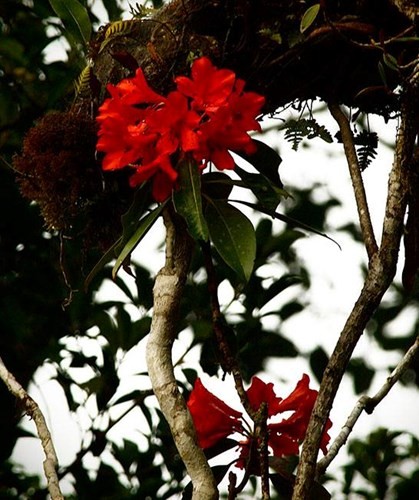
[[289, 220], [233, 236], [187, 199], [390, 61], [217, 185], [113, 9], [266, 161], [130, 218], [268, 194], [75, 19], [143, 228], [318, 362], [382, 73], [297, 130], [129, 222], [309, 17]]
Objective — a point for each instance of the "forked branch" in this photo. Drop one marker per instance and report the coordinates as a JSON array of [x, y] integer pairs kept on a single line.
[[368, 404], [381, 271]]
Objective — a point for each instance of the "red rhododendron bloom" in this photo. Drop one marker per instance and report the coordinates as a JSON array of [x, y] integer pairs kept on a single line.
[[209, 87], [214, 420], [207, 115]]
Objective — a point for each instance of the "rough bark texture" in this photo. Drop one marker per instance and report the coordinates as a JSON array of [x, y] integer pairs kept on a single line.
[[382, 268], [167, 294]]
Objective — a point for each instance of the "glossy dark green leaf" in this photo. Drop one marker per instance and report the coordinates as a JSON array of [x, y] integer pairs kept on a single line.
[[233, 236], [280, 285], [113, 9], [129, 221], [266, 161], [318, 362], [267, 193], [362, 375], [390, 61], [219, 472], [144, 226], [289, 220], [75, 19], [135, 395], [187, 199], [217, 185]]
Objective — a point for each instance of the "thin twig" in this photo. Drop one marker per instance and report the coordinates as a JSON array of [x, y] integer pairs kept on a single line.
[[167, 294], [368, 404], [32, 409], [219, 324], [381, 271], [393, 378], [356, 177], [262, 434], [230, 364]]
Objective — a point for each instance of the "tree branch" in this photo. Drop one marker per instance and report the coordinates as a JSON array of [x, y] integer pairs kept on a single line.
[[32, 409], [167, 295], [356, 177], [408, 8], [382, 268], [229, 363], [368, 404]]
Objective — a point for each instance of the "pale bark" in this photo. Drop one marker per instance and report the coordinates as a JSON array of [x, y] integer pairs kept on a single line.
[[356, 177], [32, 409], [381, 271], [167, 295], [367, 404]]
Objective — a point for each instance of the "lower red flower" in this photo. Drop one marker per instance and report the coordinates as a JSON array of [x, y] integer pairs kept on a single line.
[[214, 420]]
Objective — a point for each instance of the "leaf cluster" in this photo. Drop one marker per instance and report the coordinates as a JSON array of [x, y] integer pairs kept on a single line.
[[379, 460]]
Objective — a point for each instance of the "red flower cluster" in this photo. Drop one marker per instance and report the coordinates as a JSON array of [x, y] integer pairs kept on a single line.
[[208, 115], [214, 420]]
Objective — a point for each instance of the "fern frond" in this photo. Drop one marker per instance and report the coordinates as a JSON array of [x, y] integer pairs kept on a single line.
[[297, 130], [366, 145]]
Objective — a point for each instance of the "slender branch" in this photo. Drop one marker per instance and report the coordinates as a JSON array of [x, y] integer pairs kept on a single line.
[[356, 177], [262, 433], [231, 365], [32, 409], [219, 324], [382, 268], [368, 404], [393, 378], [167, 295]]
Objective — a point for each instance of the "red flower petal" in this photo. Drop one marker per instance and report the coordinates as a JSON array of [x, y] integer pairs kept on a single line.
[[259, 393], [214, 420], [301, 396], [136, 90], [209, 86], [301, 401], [283, 445]]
